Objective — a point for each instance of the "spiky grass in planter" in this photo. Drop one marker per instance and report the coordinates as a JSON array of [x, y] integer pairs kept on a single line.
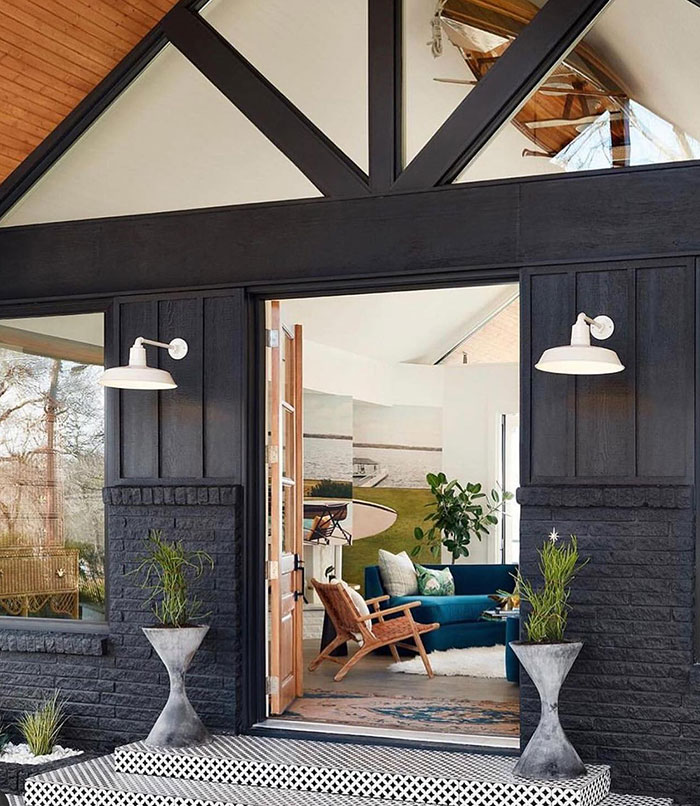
[[168, 570], [42, 727], [549, 604]]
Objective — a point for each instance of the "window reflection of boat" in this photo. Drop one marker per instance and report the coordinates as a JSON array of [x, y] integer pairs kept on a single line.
[[367, 472]]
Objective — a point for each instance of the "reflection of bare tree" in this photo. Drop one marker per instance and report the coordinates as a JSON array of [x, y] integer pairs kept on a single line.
[[50, 429]]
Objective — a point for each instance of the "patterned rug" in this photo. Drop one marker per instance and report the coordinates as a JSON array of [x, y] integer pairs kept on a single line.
[[406, 713]]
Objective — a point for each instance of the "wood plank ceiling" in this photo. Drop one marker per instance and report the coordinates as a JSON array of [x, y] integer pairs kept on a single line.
[[52, 54]]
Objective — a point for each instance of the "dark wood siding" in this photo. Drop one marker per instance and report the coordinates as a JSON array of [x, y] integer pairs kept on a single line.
[[193, 432], [632, 427]]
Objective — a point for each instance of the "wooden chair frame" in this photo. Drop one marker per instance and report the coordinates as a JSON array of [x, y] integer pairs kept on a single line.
[[343, 613]]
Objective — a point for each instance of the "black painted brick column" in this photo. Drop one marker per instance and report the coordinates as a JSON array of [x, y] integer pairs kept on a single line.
[[633, 697], [115, 684]]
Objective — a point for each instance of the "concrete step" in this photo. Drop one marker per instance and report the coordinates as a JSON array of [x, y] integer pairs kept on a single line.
[[430, 777]]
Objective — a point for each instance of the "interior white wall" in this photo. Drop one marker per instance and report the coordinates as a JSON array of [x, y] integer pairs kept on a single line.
[[474, 398], [171, 141]]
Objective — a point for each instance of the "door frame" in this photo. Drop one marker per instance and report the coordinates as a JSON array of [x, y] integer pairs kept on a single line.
[[253, 705]]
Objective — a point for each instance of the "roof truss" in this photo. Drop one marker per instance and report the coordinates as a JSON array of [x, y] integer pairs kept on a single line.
[[491, 103]]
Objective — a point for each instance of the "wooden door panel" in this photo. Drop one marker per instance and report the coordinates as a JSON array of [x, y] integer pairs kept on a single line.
[[286, 535]]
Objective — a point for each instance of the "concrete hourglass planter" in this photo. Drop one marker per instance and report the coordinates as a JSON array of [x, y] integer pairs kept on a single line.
[[549, 755], [178, 725]]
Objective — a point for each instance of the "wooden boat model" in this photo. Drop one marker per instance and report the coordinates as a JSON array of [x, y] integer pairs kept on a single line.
[[576, 94]]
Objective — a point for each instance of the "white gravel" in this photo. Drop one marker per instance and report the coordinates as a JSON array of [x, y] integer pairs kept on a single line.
[[21, 754]]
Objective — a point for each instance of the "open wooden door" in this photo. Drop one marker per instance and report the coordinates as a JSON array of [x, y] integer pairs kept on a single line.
[[286, 490]]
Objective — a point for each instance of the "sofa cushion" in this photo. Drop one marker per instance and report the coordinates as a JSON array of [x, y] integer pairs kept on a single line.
[[435, 582], [398, 574], [445, 609]]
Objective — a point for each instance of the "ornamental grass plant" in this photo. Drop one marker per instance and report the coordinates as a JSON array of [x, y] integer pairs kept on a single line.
[[549, 603], [42, 726], [169, 569]]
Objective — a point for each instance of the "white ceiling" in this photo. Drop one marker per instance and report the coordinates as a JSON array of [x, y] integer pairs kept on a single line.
[[407, 326], [87, 328], [172, 141]]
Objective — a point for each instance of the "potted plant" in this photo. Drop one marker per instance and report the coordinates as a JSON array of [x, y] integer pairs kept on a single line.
[[547, 657], [459, 513], [168, 569]]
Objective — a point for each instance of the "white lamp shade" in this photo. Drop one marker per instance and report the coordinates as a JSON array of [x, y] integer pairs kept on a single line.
[[578, 359], [135, 377], [138, 375]]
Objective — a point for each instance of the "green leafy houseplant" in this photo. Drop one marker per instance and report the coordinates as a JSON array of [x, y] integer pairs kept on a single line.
[[459, 513], [168, 570], [549, 604], [41, 727]]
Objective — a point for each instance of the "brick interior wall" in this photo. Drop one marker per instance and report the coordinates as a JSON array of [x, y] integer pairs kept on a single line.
[[632, 699], [115, 684]]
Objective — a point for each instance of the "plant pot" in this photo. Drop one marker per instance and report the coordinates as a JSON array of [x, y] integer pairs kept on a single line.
[[549, 755], [178, 725]]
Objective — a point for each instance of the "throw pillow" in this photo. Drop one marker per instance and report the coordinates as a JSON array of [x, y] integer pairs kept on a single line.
[[435, 582], [360, 605], [398, 574]]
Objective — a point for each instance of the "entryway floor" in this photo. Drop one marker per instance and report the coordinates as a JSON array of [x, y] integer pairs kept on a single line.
[[371, 695]]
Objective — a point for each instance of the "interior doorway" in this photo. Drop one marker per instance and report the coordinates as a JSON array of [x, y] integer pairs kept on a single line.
[[376, 404]]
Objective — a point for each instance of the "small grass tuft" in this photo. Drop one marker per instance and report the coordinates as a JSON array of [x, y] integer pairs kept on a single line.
[[41, 727]]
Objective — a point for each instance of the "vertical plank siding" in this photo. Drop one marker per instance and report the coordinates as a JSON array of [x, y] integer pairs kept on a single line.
[[193, 432], [633, 427]]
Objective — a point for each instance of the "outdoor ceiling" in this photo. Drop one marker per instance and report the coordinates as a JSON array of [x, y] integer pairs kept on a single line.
[[52, 54], [145, 153]]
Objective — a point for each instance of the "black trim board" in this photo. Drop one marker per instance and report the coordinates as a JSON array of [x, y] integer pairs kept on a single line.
[[330, 170], [630, 213], [385, 20], [538, 48]]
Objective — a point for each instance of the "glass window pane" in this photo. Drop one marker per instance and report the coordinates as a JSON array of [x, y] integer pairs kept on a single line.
[[314, 52], [620, 98], [52, 546], [448, 48]]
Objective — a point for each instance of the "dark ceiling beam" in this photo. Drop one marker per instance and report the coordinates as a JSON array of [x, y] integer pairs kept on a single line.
[[496, 98], [483, 227], [385, 92], [323, 163], [52, 148]]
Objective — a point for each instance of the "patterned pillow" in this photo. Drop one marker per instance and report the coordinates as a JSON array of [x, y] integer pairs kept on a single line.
[[398, 573], [434, 582]]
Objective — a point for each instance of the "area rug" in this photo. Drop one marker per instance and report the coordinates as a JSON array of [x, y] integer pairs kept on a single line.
[[409, 713], [487, 661]]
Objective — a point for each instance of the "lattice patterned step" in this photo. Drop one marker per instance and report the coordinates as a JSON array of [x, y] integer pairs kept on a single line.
[[97, 783], [431, 777], [635, 800]]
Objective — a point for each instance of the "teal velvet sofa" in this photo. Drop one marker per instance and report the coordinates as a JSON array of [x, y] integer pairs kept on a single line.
[[459, 616]]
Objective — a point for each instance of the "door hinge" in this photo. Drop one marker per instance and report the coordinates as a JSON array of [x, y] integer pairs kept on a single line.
[[272, 338], [272, 454], [273, 569], [272, 685]]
